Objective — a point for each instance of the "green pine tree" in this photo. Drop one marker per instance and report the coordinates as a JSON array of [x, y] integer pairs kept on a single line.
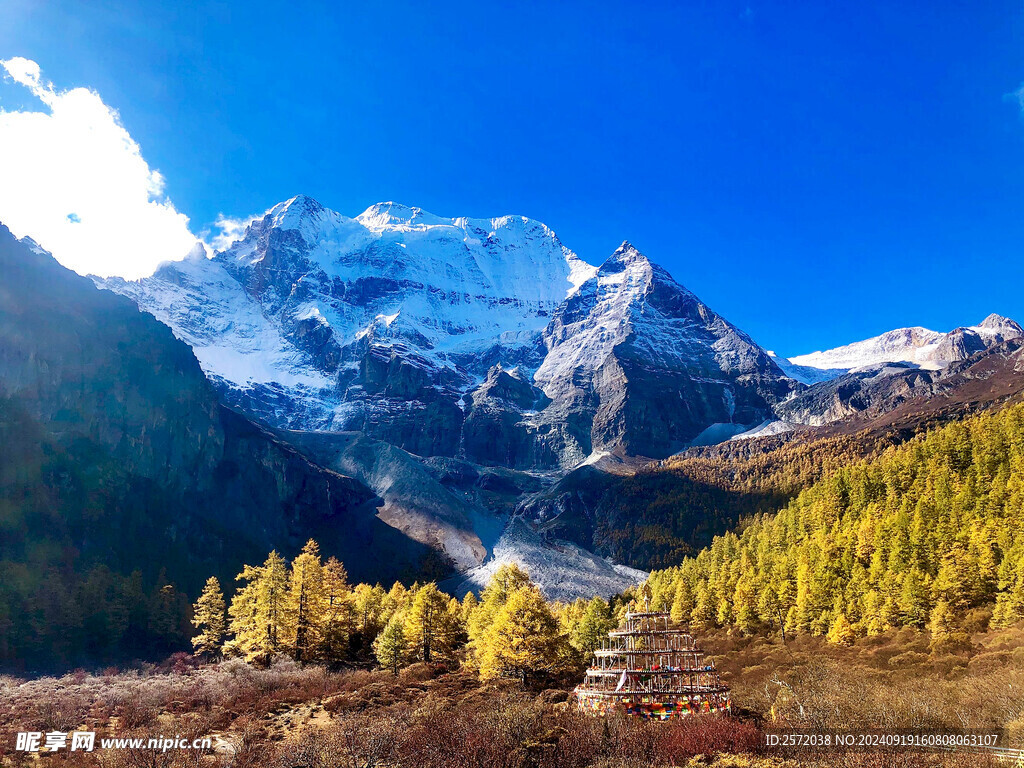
[[390, 646]]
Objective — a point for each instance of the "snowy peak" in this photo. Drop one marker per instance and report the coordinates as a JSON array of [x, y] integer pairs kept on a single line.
[[312, 314], [296, 207], [630, 275], [597, 316], [301, 213], [627, 258], [626, 253], [394, 241], [917, 346], [650, 365], [391, 215], [1004, 326], [626, 267]]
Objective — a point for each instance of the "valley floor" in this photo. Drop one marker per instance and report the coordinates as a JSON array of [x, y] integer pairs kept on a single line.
[[427, 717]]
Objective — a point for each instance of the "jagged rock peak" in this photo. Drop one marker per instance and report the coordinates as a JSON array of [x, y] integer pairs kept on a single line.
[[996, 322], [198, 252], [629, 271], [627, 253], [301, 213], [626, 258], [293, 209]]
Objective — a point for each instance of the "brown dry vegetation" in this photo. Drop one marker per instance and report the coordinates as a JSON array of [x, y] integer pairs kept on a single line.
[[893, 681], [426, 717], [288, 716]]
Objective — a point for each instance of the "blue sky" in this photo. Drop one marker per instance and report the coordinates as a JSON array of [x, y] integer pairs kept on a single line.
[[815, 174]]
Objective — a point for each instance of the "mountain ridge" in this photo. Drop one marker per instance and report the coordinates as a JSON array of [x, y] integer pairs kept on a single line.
[[920, 346], [313, 320], [123, 473]]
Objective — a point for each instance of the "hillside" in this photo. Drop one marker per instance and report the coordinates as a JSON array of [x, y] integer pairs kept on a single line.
[[650, 515], [919, 535], [124, 481]]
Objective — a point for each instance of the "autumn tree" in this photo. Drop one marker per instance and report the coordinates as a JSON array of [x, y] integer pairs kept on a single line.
[[469, 606], [209, 618], [682, 602], [259, 610], [841, 632], [305, 603], [505, 581], [942, 622], [593, 627], [429, 627], [524, 639], [338, 612], [1009, 608], [368, 606]]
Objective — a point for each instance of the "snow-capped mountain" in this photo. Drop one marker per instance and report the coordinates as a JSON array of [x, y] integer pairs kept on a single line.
[[917, 346], [311, 312], [878, 374], [457, 366], [651, 367], [481, 338], [480, 341]]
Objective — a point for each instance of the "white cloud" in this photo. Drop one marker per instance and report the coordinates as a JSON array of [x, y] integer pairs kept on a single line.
[[73, 179], [231, 229], [1019, 96]]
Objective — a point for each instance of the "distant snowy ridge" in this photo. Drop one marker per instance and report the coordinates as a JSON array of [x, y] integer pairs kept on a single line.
[[918, 346]]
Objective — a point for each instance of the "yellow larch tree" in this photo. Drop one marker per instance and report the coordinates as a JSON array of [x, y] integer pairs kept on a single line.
[[524, 639], [429, 627], [304, 603], [338, 612], [209, 618], [258, 610]]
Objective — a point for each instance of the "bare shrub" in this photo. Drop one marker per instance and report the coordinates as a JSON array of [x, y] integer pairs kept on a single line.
[[136, 711], [64, 712]]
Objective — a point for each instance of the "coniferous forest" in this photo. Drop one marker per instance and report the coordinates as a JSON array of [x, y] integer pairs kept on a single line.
[[307, 611], [922, 536]]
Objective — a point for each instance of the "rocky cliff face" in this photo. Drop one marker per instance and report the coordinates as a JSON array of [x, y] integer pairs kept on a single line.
[[637, 364], [117, 449], [412, 499], [993, 374]]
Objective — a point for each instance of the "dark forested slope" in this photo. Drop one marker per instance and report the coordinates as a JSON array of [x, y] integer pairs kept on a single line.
[[123, 481]]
